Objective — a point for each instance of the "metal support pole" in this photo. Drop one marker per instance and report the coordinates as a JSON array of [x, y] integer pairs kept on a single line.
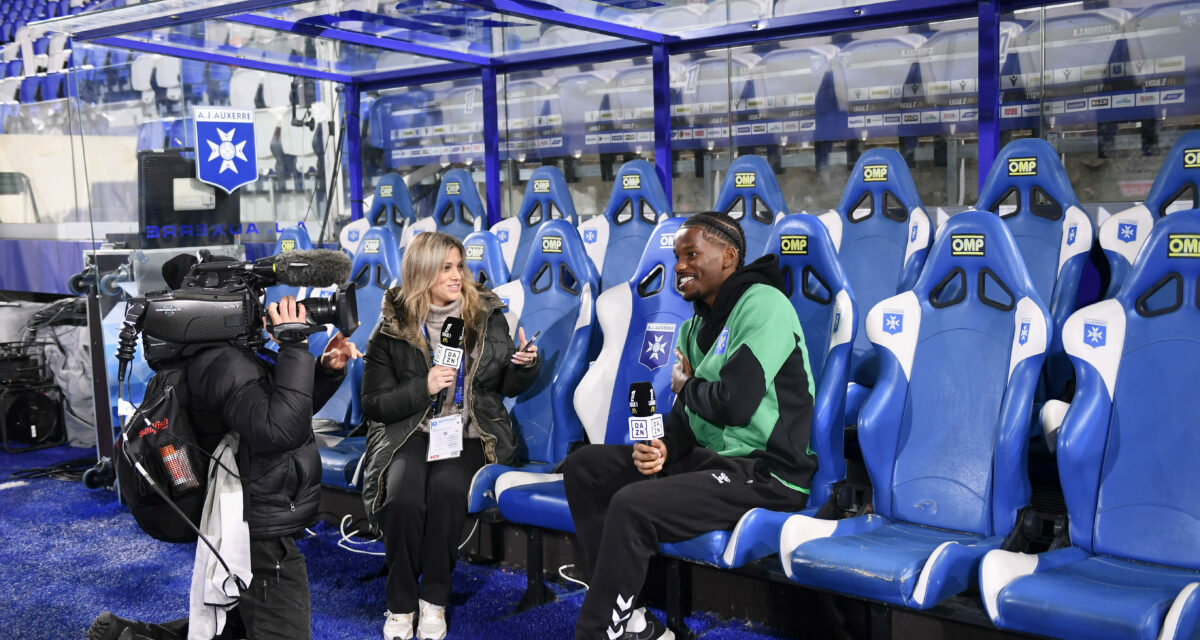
[[354, 151], [491, 145], [662, 118], [989, 85]]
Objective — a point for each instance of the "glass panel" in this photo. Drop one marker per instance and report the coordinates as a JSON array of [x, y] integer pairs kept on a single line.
[[587, 120]]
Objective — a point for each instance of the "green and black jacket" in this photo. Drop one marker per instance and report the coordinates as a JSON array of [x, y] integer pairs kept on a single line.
[[752, 390]]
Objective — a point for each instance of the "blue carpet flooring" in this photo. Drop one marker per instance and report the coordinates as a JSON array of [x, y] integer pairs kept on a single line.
[[67, 553]]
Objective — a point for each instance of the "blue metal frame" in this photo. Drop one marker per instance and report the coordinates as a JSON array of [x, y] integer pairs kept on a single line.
[[353, 150], [491, 145], [988, 86], [222, 58], [556, 16], [662, 119]]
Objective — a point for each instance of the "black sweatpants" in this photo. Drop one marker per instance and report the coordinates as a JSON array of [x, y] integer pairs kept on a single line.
[[422, 520], [621, 516]]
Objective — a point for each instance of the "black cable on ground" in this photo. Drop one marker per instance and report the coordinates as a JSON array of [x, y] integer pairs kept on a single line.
[[67, 471]]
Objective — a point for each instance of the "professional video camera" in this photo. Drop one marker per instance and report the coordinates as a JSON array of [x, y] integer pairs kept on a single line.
[[220, 300]]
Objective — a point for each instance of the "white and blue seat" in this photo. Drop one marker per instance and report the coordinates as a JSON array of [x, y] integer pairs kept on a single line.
[[555, 295], [944, 433], [485, 259], [819, 291], [615, 240], [458, 209], [750, 194], [1177, 186], [391, 206], [881, 233], [1029, 189], [546, 198], [1126, 457]]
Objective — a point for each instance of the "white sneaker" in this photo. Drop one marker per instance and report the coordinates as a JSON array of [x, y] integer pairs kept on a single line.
[[432, 623], [398, 626]]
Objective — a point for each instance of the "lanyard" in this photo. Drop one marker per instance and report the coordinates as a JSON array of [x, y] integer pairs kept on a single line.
[[458, 381]]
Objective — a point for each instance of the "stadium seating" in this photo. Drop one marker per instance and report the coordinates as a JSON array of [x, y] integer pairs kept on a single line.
[[1177, 185], [546, 198], [391, 206], [944, 432], [750, 194], [1125, 457], [616, 239], [458, 210], [1029, 189], [485, 259]]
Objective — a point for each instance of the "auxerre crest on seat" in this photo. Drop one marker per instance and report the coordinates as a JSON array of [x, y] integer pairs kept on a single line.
[[225, 154]]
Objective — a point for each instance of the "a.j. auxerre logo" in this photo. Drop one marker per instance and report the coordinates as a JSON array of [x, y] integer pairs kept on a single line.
[[967, 244], [1183, 245], [474, 252], [225, 155], [552, 244], [1022, 166], [631, 181]]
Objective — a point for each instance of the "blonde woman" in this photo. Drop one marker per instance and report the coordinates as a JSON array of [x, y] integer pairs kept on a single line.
[[420, 505]]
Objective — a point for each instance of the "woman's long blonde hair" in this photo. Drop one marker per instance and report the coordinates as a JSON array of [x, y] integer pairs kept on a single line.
[[422, 264]]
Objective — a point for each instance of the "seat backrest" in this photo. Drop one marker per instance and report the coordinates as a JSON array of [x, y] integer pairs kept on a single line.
[[290, 239], [485, 259], [1177, 186], [639, 319], [819, 290], [555, 295], [944, 432], [882, 234], [1126, 449], [458, 210], [615, 240], [391, 206], [750, 194], [546, 198]]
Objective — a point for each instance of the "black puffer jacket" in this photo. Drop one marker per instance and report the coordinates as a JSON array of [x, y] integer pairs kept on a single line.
[[271, 409], [396, 398]]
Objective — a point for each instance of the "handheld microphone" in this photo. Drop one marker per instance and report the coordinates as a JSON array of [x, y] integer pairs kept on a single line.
[[449, 351], [644, 423]]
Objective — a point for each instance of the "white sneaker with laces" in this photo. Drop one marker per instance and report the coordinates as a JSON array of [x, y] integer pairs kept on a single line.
[[398, 626], [432, 622]]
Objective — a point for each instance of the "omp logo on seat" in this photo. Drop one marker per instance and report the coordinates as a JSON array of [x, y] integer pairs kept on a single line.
[[385, 191], [453, 188], [1191, 159], [629, 182], [474, 252], [1022, 166], [666, 241], [541, 185], [1183, 245], [744, 179], [966, 244], [371, 245], [552, 244], [793, 245], [875, 173], [287, 245]]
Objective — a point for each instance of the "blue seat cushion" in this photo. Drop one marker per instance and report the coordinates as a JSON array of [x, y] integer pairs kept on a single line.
[[1098, 597], [886, 563], [708, 548], [339, 463], [541, 504]]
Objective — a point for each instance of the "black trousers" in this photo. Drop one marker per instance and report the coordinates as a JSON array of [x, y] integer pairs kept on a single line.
[[422, 520], [621, 516], [276, 605]]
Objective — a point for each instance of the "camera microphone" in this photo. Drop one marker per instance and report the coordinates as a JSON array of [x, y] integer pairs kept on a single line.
[[308, 267], [449, 351]]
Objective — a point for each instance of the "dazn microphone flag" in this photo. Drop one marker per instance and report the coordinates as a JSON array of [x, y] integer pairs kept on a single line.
[[644, 424]]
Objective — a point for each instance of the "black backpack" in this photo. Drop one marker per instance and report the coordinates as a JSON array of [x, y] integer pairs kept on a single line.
[[161, 469]]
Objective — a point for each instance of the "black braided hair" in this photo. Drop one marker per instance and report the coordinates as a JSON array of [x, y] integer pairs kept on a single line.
[[722, 229]]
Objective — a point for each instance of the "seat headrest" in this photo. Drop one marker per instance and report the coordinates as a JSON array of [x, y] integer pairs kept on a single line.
[[803, 245], [391, 194], [659, 252], [978, 245], [293, 239], [547, 198], [882, 173], [1172, 251], [751, 178], [485, 258], [1180, 173], [458, 205], [556, 246], [637, 195], [1030, 169], [377, 261]]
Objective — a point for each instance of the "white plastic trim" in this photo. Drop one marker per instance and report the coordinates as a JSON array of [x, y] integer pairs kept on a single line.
[[1106, 358], [833, 222], [1051, 417], [512, 479], [1170, 628], [999, 568], [922, 589], [902, 344], [796, 531]]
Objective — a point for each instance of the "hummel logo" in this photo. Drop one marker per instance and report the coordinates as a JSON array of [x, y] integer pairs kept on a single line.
[[624, 606], [722, 478]]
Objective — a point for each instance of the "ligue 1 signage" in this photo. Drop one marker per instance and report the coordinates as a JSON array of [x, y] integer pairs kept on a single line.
[[225, 154]]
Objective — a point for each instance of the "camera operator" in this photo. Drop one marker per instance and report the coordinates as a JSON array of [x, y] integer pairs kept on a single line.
[[268, 400]]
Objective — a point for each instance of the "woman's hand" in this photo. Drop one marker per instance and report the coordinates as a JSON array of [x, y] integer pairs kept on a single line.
[[440, 377], [338, 352], [526, 354], [649, 458]]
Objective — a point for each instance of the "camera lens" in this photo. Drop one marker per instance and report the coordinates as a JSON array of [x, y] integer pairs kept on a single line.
[[340, 310]]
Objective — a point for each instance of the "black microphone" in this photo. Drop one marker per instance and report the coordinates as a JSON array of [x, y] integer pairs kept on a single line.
[[641, 399], [308, 267], [449, 351], [644, 424]]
